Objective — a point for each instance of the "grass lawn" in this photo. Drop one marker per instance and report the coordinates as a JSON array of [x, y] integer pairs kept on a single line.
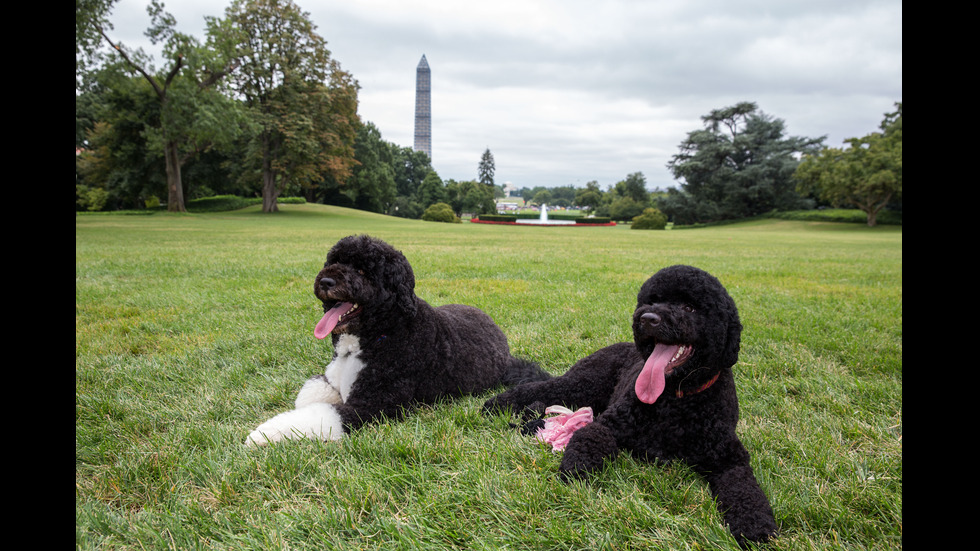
[[190, 330]]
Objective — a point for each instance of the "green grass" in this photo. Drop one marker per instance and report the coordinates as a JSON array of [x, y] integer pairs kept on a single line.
[[192, 329]]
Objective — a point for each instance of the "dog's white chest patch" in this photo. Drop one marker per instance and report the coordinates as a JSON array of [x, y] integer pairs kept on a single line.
[[346, 365]]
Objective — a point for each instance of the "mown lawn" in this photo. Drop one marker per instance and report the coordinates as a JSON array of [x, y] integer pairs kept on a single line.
[[192, 329]]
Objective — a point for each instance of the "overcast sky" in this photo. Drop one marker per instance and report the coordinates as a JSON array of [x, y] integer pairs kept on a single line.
[[563, 92]]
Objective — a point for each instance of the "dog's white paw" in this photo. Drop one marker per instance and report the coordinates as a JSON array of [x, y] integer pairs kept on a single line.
[[317, 390], [316, 421]]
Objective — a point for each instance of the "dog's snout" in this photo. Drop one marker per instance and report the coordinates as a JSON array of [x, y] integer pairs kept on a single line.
[[327, 283], [651, 318]]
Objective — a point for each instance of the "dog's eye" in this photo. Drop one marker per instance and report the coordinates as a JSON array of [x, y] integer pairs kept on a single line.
[[688, 307], [360, 272]]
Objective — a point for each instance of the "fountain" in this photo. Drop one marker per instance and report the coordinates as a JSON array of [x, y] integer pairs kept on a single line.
[[544, 221]]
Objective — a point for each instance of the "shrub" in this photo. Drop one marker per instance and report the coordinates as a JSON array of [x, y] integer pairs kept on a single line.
[[498, 218], [441, 212], [593, 220], [222, 203], [91, 198], [651, 219], [152, 202]]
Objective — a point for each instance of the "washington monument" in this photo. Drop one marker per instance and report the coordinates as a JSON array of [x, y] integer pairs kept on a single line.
[[423, 108]]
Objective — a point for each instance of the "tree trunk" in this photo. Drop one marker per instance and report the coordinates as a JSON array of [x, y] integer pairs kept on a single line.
[[270, 200], [270, 195], [175, 187]]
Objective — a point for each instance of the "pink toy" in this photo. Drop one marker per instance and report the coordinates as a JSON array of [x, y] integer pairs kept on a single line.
[[558, 430]]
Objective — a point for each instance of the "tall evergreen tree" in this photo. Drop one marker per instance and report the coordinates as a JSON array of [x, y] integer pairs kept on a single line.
[[740, 164], [486, 168]]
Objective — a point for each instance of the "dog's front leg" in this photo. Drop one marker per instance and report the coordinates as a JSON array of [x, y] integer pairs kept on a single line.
[[317, 421], [317, 389], [742, 503], [588, 449]]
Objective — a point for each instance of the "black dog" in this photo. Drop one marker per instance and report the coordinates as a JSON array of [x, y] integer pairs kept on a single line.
[[668, 395], [392, 350]]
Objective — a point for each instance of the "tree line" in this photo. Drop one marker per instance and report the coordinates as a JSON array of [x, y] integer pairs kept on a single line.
[[260, 108]]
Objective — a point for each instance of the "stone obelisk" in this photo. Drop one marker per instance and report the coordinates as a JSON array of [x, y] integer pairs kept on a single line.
[[423, 108]]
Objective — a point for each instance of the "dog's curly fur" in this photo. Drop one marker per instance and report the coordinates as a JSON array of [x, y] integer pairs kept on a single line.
[[692, 420], [392, 350]]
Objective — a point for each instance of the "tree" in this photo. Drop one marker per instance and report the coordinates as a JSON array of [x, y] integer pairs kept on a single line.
[[562, 196], [486, 168], [634, 187], [625, 208], [740, 164], [470, 196], [117, 157], [372, 183], [411, 167], [542, 197], [867, 174], [432, 190], [303, 105], [589, 197], [190, 110], [91, 20]]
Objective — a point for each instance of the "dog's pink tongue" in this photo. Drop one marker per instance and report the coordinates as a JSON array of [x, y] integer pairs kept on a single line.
[[650, 384], [330, 319]]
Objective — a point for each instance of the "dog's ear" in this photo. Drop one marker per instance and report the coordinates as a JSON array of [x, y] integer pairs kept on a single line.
[[406, 300], [401, 282], [733, 338]]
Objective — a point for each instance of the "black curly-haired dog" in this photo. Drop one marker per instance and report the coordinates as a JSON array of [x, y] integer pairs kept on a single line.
[[391, 349], [668, 395]]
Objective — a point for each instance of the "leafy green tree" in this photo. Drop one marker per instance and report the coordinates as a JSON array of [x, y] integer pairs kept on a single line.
[[590, 196], [562, 196], [303, 105], [432, 190], [528, 193], [634, 187], [542, 197], [116, 156], [470, 196], [91, 21], [739, 165], [625, 208], [867, 174], [372, 184], [411, 167], [193, 116], [486, 168]]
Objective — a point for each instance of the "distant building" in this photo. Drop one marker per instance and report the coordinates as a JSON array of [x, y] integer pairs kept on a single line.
[[423, 108]]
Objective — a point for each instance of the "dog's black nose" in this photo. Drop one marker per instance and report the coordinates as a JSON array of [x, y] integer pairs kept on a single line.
[[326, 282], [650, 318]]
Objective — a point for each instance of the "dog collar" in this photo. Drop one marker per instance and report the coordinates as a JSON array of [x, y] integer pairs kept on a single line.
[[681, 393]]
